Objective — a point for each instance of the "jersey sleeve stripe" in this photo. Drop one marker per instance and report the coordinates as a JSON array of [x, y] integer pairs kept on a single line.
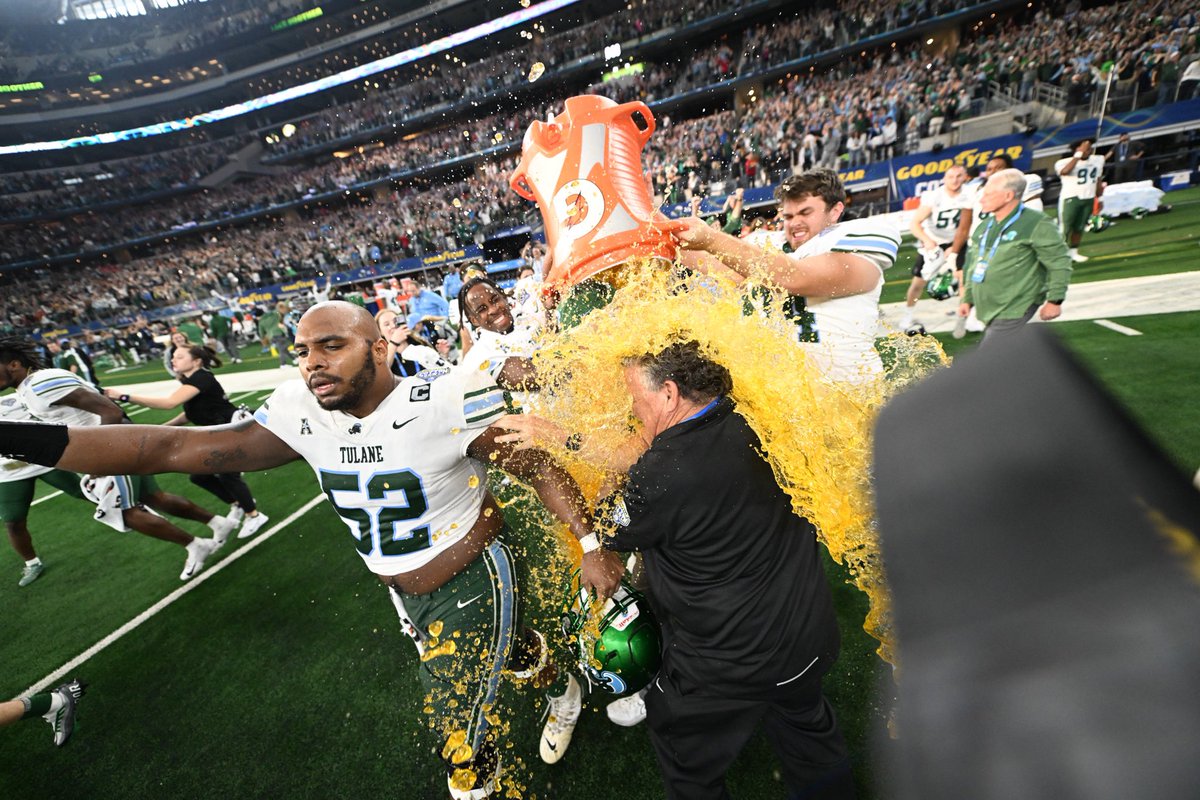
[[876, 245], [53, 384], [481, 405]]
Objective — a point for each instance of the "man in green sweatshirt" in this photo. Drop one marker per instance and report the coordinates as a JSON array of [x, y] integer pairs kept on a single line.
[[1018, 265]]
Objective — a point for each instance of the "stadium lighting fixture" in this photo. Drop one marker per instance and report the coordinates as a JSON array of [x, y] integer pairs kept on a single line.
[[342, 78]]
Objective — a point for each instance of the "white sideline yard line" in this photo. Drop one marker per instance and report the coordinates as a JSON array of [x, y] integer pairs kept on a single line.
[[50, 496], [1113, 326], [60, 673]]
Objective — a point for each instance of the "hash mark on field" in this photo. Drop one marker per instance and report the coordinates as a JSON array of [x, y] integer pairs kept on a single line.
[[50, 496], [70, 666], [1113, 326], [235, 398]]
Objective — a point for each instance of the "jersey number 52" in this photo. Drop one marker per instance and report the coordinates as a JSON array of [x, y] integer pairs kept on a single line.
[[379, 527]]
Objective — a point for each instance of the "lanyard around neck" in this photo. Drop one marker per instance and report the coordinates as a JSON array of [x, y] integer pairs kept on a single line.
[[996, 242]]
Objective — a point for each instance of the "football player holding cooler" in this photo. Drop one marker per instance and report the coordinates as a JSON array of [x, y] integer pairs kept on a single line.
[[833, 270], [941, 225]]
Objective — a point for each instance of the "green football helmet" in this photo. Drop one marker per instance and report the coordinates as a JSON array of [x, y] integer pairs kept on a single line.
[[941, 286], [622, 652], [1097, 223]]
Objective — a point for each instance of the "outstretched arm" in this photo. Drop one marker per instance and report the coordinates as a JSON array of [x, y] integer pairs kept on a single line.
[[166, 402], [601, 569], [832, 274], [146, 449]]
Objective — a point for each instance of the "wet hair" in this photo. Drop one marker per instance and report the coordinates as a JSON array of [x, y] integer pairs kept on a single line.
[[207, 357], [822, 183], [698, 378], [22, 349]]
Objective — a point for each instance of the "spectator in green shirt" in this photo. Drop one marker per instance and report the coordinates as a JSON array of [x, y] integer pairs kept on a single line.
[[1018, 264], [193, 329], [272, 329], [221, 330]]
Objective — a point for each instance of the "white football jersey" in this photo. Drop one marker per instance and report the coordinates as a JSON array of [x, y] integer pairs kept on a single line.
[[845, 327], [13, 410], [42, 389], [490, 349], [400, 477], [945, 212], [1082, 181]]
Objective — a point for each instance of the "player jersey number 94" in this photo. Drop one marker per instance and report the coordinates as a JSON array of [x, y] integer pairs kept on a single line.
[[379, 528]]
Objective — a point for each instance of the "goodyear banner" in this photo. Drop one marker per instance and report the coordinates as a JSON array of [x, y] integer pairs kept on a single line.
[[915, 174], [908, 176]]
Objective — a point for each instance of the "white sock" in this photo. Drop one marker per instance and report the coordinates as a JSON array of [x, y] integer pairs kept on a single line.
[[1073, 251], [33, 561]]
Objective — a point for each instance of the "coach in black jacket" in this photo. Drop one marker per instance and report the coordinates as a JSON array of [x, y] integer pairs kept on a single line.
[[735, 579]]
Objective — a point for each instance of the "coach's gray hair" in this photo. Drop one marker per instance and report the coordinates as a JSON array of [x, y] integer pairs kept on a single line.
[[1011, 180]]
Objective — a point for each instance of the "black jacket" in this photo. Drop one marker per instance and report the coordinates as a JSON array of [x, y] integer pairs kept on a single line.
[[733, 574]]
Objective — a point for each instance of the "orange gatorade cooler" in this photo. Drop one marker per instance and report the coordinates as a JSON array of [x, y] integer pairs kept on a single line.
[[584, 170]]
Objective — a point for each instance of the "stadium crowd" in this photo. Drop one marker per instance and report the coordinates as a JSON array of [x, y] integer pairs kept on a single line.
[[862, 109]]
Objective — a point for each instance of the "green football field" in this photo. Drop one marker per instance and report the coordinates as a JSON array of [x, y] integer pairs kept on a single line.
[[281, 671]]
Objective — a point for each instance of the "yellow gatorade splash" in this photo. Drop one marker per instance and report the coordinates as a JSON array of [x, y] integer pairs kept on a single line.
[[815, 434]]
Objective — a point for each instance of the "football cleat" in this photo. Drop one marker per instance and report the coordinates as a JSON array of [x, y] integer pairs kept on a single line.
[[62, 718], [960, 327], [221, 528], [916, 329], [627, 711], [561, 718], [620, 651], [253, 525], [31, 573], [197, 553]]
